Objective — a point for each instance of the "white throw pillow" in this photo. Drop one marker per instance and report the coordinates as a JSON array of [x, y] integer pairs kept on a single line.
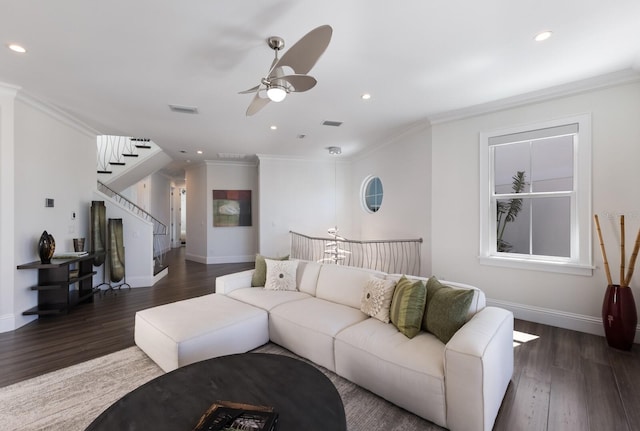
[[376, 298], [281, 274]]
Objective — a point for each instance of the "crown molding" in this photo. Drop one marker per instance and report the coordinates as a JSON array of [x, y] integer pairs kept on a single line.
[[58, 114], [621, 77]]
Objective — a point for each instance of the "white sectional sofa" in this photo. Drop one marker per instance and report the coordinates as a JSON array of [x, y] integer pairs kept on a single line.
[[458, 385]]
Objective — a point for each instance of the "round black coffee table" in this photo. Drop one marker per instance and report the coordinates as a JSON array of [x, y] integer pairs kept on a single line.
[[303, 397]]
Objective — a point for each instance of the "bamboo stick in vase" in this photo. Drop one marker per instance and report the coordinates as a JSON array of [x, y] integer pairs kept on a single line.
[[632, 261], [604, 253], [623, 258]]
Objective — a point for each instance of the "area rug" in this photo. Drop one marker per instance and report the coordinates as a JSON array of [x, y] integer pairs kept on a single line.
[[69, 399]]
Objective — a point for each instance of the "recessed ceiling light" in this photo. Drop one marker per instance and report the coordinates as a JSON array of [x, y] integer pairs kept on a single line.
[[366, 96], [17, 48], [544, 35], [199, 151], [274, 127]]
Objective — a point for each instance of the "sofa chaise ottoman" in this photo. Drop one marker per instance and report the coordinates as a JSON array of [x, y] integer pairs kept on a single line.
[[184, 332]]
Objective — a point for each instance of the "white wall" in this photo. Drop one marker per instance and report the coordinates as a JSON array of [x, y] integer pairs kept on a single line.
[[299, 195], [562, 300], [404, 167], [231, 244], [7, 197], [197, 204], [49, 152]]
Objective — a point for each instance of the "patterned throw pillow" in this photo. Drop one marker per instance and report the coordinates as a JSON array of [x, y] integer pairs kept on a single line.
[[407, 306], [281, 274], [260, 274], [376, 298], [446, 309]]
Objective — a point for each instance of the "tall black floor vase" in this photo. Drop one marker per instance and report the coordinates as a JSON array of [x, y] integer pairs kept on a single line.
[[98, 232], [117, 273]]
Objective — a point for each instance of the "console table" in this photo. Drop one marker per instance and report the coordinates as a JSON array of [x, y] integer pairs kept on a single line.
[[55, 281]]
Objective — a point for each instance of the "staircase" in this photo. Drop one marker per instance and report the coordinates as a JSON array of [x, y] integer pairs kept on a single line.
[[159, 228], [123, 161]]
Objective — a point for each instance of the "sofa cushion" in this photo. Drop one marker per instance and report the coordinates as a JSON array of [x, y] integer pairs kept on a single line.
[[260, 273], [344, 284], [281, 274], [266, 299], [407, 306], [376, 298], [407, 372], [446, 309], [307, 276], [308, 327]]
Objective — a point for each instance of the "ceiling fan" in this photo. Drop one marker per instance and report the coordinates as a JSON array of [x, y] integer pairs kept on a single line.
[[300, 58]]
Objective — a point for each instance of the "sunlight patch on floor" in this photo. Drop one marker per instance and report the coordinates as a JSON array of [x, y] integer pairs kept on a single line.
[[522, 337]]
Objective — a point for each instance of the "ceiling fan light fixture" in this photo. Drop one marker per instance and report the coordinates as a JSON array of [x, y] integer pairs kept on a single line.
[[276, 93]]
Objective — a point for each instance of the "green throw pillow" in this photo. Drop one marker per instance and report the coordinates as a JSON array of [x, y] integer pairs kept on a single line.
[[407, 306], [260, 274], [446, 309]]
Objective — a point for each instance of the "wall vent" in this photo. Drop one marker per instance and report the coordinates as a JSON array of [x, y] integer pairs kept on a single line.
[[332, 123], [184, 109]]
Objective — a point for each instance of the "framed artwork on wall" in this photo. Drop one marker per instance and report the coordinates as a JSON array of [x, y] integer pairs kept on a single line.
[[231, 208]]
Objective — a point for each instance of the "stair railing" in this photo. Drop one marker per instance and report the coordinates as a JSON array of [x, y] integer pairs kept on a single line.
[[398, 256], [159, 228]]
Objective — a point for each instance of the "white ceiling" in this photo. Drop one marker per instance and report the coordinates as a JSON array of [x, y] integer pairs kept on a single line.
[[117, 64]]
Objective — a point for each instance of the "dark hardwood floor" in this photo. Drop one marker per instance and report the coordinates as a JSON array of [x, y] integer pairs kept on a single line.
[[563, 380]]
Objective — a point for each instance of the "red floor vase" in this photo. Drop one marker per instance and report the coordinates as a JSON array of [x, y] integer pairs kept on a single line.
[[619, 317]]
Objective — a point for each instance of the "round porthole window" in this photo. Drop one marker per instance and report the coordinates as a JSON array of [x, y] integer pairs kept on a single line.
[[372, 194]]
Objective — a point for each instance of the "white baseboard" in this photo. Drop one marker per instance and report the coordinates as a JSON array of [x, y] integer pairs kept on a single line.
[[195, 258], [159, 276], [209, 260], [231, 259], [10, 322], [561, 319], [7, 323]]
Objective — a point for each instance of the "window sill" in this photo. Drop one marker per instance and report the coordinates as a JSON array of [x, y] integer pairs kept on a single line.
[[537, 265]]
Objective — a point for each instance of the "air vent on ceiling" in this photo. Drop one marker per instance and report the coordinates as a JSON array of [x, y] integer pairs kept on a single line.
[[332, 123], [184, 109], [232, 156]]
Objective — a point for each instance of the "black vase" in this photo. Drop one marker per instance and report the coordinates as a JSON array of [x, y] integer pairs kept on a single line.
[[98, 229], [46, 247]]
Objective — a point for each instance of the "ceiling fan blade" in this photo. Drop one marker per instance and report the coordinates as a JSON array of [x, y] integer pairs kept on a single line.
[[251, 90], [257, 104], [304, 54], [300, 83]]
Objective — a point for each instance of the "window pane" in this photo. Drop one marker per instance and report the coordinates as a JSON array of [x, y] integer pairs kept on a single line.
[[513, 225], [508, 160], [373, 194], [551, 226], [552, 164]]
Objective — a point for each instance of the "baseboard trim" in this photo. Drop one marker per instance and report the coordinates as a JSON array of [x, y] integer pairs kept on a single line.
[[561, 319], [7, 323], [231, 259]]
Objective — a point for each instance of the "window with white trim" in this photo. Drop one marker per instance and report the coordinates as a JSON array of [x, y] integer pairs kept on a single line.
[[535, 196]]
